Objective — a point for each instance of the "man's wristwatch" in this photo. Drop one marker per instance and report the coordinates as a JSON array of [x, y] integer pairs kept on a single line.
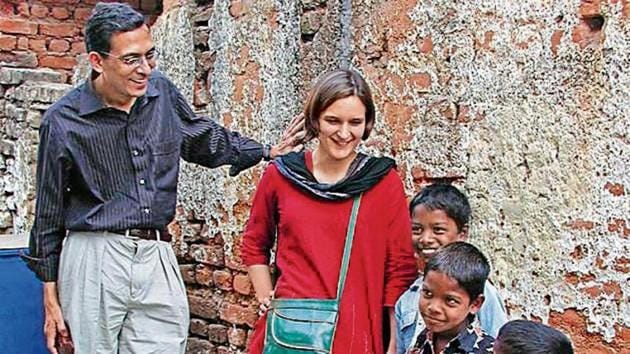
[[266, 152]]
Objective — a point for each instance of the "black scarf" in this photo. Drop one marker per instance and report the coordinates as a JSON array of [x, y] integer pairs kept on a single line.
[[364, 172]]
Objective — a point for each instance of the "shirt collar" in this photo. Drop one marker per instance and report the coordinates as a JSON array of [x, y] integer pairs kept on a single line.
[[91, 102], [466, 340]]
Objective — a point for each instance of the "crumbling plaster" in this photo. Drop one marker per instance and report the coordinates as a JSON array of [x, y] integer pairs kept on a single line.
[[500, 96]]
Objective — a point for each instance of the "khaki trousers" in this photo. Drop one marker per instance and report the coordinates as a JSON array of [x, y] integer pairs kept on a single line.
[[121, 294]]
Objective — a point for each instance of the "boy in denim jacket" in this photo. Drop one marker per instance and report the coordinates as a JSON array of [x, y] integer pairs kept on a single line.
[[440, 214]]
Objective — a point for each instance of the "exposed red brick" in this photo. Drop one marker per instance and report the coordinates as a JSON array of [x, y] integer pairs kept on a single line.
[[55, 62], [272, 20], [486, 44], [556, 37], [58, 29], [38, 45], [22, 43], [615, 189], [22, 9], [39, 11], [6, 9], [572, 278], [580, 225], [574, 323], [82, 14], [238, 314], [577, 253], [589, 8], [463, 115], [188, 273], [583, 36], [238, 8], [599, 262], [222, 279], [426, 45], [397, 116], [237, 337], [420, 80], [203, 275], [17, 26], [200, 93], [592, 291], [199, 327], [19, 59], [242, 284], [77, 48], [217, 333], [7, 42], [622, 264], [60, 13], [59, 45], [619, 226], [202, 306], [63, 2], [612, 288]]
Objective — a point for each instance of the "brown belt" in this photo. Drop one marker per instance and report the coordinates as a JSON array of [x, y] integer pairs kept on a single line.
[[147, 234]]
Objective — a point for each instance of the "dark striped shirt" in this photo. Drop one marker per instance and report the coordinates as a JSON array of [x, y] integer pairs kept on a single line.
[[100, 168]]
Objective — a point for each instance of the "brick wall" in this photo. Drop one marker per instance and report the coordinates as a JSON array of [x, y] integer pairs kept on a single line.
[[524, 105], [48, 34]]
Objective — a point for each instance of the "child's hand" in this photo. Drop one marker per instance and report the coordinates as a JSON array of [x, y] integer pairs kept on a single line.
[[265, 304]]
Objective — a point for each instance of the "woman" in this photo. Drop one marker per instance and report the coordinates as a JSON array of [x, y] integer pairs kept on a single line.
[[306, 199]]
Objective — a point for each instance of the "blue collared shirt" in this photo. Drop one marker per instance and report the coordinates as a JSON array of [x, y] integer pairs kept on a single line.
[[409, 324]]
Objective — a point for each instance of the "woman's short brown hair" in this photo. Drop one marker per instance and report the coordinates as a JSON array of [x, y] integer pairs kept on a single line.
[[330, 87]]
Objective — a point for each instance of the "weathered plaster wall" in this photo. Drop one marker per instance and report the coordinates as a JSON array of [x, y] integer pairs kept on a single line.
[[524, 105]]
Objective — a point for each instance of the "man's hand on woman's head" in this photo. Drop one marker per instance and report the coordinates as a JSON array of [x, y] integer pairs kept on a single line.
[[292, 138]]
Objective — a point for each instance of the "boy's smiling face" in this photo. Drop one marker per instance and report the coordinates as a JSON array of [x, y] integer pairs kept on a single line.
[[445, 305], [433, 229]]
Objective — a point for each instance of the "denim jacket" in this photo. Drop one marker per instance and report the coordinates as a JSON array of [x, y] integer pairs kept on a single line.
[[409, 324]]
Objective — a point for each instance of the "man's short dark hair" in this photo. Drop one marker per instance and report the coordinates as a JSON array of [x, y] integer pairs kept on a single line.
[[464, 263], [106, 20], [528, 337], [445, 197]]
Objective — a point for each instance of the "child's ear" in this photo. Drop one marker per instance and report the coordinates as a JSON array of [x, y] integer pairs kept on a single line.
[[475, 305], [463, 233]]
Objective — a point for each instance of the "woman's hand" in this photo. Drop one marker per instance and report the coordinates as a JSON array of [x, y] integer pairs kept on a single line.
[[265, 304]]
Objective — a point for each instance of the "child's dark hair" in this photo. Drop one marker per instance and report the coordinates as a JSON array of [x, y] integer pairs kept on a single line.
[[445, 197], [527, 337], [464, 263]]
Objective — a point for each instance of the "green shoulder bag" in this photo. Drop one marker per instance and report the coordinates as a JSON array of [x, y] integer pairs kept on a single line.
[[302, 326]]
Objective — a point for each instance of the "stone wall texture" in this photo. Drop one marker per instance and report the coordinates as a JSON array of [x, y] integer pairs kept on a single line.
[[523, 104]]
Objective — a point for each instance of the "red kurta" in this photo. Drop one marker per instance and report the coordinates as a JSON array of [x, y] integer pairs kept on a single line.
[[311, 236]]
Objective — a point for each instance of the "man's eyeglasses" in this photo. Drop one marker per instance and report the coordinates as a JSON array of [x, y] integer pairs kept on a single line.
[[134, 60]]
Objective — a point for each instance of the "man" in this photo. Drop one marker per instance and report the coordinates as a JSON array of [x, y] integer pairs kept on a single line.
[[107, 173]]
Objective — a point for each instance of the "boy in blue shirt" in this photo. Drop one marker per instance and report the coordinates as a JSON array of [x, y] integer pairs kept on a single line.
[[440, 214], [452, 294]]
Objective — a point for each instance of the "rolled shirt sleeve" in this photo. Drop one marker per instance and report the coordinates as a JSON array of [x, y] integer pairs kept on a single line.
[[48, 230]]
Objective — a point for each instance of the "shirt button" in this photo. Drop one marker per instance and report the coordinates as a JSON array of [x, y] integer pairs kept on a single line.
[[142, 181], [135, 152], [146, 210]]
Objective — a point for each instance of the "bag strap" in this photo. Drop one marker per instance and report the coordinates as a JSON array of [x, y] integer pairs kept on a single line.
[[345, 260]]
